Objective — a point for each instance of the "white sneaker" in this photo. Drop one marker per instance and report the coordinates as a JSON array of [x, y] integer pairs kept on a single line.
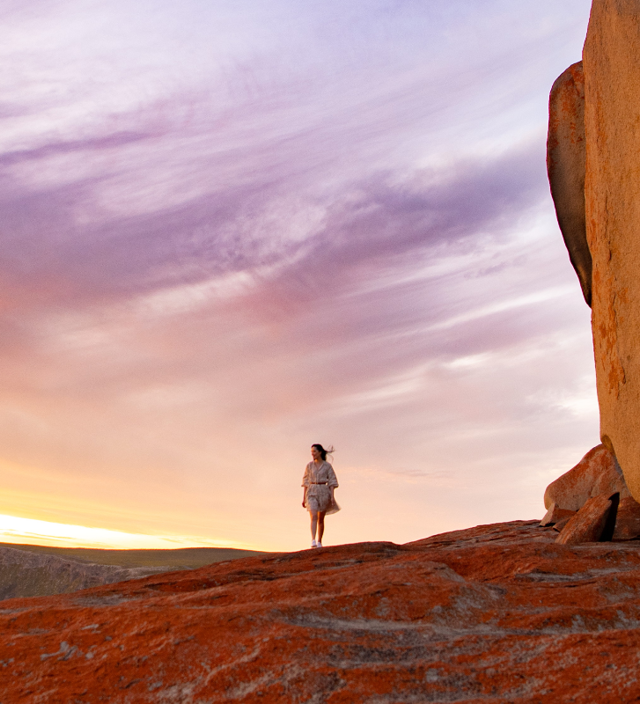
[[314, 544], [318, 544]]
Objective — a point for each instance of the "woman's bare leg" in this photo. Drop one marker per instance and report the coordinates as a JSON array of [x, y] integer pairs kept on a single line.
[[320, 525], [314, 523]]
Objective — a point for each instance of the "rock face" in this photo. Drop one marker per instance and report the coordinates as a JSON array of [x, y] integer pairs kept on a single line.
[[566, 163], [611, 138], [596, 474], [582, 504], [559, 525], [591, 522], [498, 614], [556, 515], [612, 197], [627, 520]]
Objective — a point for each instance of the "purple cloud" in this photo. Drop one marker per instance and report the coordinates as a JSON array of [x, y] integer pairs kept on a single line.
[[229, 230]]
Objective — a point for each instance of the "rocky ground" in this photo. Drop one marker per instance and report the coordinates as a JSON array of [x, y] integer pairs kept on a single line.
[[498, 613]]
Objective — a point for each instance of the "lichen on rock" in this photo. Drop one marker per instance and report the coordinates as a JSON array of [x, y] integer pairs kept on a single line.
[[498, 613]]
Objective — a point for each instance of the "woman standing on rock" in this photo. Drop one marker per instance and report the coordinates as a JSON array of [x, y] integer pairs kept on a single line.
[[319, 481]]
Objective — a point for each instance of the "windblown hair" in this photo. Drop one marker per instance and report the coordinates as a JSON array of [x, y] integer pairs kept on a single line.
[[322, 451]]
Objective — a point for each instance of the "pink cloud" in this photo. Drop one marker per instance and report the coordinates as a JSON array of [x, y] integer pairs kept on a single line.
[[227, 233]]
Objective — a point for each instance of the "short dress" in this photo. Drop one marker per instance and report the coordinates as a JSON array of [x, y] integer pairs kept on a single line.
[[318, 480]]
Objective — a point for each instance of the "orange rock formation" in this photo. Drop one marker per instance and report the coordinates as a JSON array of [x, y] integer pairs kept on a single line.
[[590, 523], [596, 474], [594, 172], [566, 157], [612, 197], [495, 614]]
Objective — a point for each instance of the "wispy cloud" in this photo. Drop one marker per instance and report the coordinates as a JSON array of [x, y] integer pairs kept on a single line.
[[230, 230]]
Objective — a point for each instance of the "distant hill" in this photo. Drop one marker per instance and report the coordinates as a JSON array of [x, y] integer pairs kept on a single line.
[[36, 570]]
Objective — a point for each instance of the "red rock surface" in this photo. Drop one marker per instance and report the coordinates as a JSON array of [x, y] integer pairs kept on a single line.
[[596, 474], [492, 614], [587, 526], [559, 525], [555, 514]]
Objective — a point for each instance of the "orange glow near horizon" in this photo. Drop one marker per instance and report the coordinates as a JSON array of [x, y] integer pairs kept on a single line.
[[30, 531], [209, 263]]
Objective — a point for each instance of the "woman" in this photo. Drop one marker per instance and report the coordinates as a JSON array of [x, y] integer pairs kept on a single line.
[[319, 481]]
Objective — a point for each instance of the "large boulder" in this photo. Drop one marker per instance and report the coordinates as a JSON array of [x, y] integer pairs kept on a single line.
[[594, 120], [566, 157], [556, 515], [593, 522], [597, 474], [612, 196]]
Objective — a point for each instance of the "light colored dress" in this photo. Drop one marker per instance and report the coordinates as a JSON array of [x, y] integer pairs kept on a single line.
[[318, 480]]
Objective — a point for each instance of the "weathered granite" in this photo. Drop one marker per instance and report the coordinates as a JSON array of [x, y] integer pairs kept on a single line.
[[627, 520], [611, 60], [590, 523], [596, 474], [498, 614], [593, 147], [555, 514], [559, 525], [566, 157]]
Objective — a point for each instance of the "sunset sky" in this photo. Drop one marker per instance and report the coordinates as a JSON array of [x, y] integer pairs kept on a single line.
[[233, 228]]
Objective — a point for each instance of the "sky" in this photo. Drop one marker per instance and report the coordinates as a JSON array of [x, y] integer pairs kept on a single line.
[[233, 228]]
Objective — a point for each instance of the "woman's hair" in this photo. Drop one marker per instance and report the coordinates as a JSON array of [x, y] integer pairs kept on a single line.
[[322, 451]]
